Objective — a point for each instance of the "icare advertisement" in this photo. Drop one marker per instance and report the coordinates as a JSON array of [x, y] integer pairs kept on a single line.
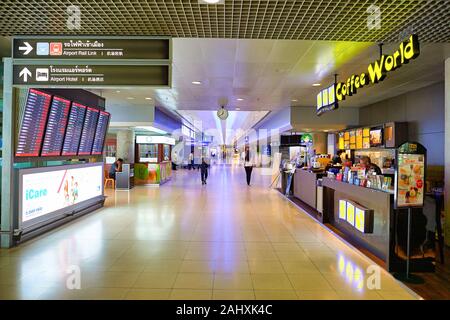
[[46, 192]]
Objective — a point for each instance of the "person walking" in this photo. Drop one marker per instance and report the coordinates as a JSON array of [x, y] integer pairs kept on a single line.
[[204, 170], [191, 161], [248, 166]]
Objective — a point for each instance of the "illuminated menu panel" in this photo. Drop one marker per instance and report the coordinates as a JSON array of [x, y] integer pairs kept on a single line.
[[56, 127], [73, 131], [100, 132], [33, 124], [88, 133]]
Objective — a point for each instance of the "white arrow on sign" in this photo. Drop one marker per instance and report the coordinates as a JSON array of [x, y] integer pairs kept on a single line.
[[27, 48], [25, 73]]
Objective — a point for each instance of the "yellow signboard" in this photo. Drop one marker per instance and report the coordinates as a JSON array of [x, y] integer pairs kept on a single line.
[[328, 98]]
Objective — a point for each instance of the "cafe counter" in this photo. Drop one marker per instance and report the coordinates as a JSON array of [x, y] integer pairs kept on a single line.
[[305, 186], [362, 214]]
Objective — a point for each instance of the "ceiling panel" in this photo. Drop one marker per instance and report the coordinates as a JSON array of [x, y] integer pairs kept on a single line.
[[341, 20], [266, 85]]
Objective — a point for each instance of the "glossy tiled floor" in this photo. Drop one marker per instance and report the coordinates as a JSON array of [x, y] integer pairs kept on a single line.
[[188, 241]]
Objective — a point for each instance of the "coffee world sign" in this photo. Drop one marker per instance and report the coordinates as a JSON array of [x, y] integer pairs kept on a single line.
[[376, 72]]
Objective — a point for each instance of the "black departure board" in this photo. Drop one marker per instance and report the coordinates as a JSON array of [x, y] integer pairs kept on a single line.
[[88, 133], [56, 127], [73, 130], [100, 132], [33, 124]]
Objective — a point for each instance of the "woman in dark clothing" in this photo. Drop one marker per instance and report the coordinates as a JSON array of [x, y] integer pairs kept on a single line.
[[248, 166], [204, 170]]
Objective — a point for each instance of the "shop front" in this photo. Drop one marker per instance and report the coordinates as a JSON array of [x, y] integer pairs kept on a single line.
[[153, 165]]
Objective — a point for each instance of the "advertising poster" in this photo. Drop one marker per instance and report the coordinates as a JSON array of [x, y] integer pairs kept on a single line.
[[46, 192], [411, 172]]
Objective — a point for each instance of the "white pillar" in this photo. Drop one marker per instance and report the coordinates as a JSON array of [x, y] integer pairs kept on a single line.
[[447, 151], [125, 145]]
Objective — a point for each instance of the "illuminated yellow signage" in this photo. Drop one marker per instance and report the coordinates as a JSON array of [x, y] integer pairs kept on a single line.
[[376, 72], [356, 215], [350, 213], [326, 100]]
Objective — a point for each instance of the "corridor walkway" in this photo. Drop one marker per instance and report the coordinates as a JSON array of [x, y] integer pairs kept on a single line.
[[188, 241]]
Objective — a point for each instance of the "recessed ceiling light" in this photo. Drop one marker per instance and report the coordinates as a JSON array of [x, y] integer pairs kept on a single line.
[[118, 91], [148, 98], [196, 82], [130, 98], [316, 84], [211, 1], [294, 100], [240, 99]]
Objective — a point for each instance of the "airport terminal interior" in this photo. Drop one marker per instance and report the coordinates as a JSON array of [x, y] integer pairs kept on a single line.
[[225, 150]]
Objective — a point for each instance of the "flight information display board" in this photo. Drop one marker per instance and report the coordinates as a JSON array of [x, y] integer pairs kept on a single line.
[[100, 132], [88, 133], [73, 131], [33, 124], [56, 127]]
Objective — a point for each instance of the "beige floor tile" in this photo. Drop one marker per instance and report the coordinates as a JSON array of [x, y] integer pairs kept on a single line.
[[162, 266], [262, 266], [171, 241], [318, 295], [271, 282], [148, 294], [194, 281], [309, 282], [232, 266], [396, 295], [102, 294], [109, 279], [153, 280], [190, 294], [275, 295], [300, 267], [233, 281], [295, 255], [233, 295], [196, 266], [358, 295]]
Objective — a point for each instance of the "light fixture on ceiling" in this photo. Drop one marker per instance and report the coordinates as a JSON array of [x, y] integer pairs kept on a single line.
[[196, 82], [118, 91], [211, 1], [130, 98], [240, 99], [237, 109], [148, 98], [316, 84], [294, 100]]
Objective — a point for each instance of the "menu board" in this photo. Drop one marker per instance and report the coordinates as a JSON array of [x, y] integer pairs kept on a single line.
[[33, 124], [341, 141], [88, 133], [359, 139], [411, 174], [56, 127], [100, 132], [73, 131]]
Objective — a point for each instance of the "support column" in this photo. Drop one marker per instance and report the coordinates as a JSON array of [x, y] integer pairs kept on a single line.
[[125, 145], [7, 197], [320, 142], [447, 151]]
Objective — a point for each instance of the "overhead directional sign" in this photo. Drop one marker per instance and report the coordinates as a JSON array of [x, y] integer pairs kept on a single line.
[[94, 48], [91, 75]]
